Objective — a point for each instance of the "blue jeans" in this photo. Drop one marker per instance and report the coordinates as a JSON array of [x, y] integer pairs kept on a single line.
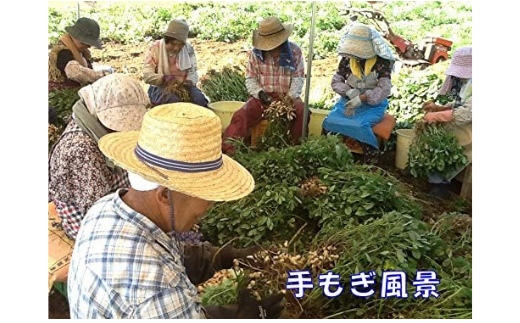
[[157, 96]]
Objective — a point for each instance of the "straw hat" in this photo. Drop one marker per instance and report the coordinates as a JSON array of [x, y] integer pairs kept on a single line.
[[178, 29], [358, 42], [271, 33], [461, 63], [179, 147], [86, 31]]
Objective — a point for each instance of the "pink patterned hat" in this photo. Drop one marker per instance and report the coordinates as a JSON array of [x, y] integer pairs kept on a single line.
[[461, 63], [118, 101]]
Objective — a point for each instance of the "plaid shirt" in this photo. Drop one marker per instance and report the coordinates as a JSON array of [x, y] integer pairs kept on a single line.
[[270, 77], [78, 177], [125, 266]]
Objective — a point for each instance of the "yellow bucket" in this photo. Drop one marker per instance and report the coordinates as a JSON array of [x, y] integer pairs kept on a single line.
[[404, 140], [225, 110], [317, 117]]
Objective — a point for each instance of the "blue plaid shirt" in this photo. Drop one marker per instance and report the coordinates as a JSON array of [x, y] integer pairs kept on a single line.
[[125, 266]]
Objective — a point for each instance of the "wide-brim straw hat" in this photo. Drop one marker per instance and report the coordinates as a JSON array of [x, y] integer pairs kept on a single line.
[[179, 147], [271, 33], [461, 63], [358, 42], [87, 31]]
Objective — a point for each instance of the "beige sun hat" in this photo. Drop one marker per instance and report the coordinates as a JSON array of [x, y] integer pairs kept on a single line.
[[179, 147], [178, 29], [358, 42], [271, 33], [118, 101]]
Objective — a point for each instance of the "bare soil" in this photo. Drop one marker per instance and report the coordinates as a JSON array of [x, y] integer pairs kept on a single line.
[[129, 59]]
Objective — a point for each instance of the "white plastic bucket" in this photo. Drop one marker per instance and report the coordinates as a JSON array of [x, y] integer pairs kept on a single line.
[[404, 140]]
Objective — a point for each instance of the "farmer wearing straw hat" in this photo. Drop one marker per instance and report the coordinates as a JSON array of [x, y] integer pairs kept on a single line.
[[458, 114], [169, 59], [125, 264], [275, 69], [363, 81], [70, 62]]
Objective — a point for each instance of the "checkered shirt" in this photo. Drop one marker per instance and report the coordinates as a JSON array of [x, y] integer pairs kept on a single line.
[[71, 214], [125, 266], [270, 76]]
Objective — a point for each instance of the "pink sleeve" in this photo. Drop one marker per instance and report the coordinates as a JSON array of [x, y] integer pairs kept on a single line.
[[150, 73], [338, 84], [80, 74], [150, 58], [380, 92]]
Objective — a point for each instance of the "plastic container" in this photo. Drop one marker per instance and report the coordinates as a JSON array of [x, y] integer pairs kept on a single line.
[[404, 140], [225, 110], [317, 117]]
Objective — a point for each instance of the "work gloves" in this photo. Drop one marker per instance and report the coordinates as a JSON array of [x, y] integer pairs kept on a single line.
[[168, 78], [108, 71], [432, 107], [203, 260], [266, 100], [441, 116], [352, 93], [226, 256], [351, 105], [248, 308]]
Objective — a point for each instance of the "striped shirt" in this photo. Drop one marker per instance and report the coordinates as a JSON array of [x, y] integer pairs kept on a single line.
[[125, 266]]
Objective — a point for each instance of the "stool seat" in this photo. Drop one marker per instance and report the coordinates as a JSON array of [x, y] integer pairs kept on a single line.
[[384, 128], [60, 249]]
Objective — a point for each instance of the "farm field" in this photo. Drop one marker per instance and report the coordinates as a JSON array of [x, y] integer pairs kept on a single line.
[[315, 206]]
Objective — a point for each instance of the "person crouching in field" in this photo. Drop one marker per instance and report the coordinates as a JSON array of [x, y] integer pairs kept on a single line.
[[171, 63]]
